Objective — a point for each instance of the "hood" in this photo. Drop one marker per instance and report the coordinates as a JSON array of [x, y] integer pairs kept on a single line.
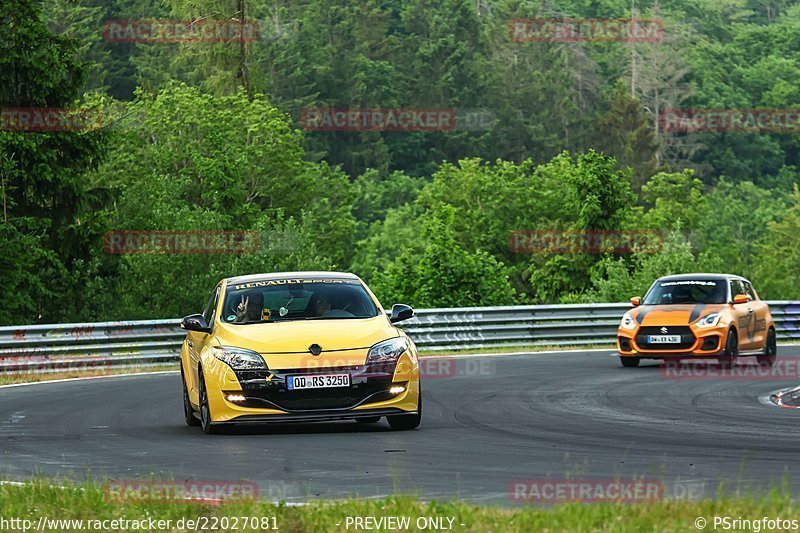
[[672, 315], [344, 342]]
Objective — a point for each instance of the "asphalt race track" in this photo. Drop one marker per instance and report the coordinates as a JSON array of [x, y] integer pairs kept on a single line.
[[487, 421]]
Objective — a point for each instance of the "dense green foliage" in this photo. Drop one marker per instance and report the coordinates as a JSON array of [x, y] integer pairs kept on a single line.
[[51, 214], [208, 136]]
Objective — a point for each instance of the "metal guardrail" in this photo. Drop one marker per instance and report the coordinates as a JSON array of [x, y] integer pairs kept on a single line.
[[42, 348]]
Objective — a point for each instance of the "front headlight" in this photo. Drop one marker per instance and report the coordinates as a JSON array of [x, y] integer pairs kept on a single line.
[[239, 358], [627, 322], [387, 351], [709, 321]]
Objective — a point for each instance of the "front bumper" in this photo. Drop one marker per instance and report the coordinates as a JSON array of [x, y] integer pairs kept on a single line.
[[267, 399], [696, 343], [315, 417]]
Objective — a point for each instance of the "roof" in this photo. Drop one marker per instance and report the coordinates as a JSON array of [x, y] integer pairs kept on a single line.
[[285, 275], [700, 276]]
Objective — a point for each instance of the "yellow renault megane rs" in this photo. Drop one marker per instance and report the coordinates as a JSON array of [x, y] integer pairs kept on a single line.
[[298, 346]]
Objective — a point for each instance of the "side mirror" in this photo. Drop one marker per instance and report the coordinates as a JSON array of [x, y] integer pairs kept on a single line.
[[195, 323], [401, 312], [636, 301], [741, 299]]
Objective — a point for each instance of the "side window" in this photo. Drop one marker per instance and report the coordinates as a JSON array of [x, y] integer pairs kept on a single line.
[[749, 290], [736, 288], [211, 307]]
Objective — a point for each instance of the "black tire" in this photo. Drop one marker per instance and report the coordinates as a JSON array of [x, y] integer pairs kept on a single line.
[[731, 351], [406, 422], [188, 410], [629, 362], [368, 420], [770, 350], [205, 410]]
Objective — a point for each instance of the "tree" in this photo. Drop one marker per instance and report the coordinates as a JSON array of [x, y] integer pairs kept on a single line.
[[541, 93], [737, 218], [221, 67], [676, 201], [618, 279], [230, 154], [147, 286], [82, 22], [777, 255], [190, 161], [444, 274], [378, 193], [51, 215], [624, 133]]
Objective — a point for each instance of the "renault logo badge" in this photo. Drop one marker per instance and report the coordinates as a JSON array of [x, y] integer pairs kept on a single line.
[[315, 349]]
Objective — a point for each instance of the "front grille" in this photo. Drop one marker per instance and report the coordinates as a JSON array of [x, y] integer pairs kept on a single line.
[[687, 337], [316, 399], [369, 383]]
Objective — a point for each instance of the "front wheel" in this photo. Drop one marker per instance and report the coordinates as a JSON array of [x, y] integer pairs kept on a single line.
[[731, 351], [205, 410], [770, 350], [405, 422], [188, 410], [629, 362]]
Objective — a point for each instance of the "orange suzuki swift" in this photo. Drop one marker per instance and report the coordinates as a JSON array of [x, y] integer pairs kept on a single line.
[[691, 316]]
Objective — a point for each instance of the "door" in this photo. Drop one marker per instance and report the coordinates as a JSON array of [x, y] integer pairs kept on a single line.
[[745, 317], [760, 310]]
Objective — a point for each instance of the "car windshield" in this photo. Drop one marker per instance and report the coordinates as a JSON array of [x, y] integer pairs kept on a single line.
[[694, 291], [279, 300]]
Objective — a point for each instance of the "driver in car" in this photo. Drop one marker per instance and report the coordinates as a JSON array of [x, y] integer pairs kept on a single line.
[[249, 308], [320, 305]]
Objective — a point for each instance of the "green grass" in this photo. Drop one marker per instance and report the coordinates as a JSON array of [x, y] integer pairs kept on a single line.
[[37, 499]]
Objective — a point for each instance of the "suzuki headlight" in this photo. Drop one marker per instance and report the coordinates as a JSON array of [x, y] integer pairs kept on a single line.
[[627, 322], [239, 358], [387, 351], [709, 321]]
